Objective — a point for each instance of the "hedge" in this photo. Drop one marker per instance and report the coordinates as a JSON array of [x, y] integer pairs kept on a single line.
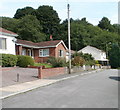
[[24, 61], [8, 60]]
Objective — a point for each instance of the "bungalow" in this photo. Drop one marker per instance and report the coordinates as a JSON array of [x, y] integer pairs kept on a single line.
[[9, 44], [42, 50], [97, 54], [7, 41]]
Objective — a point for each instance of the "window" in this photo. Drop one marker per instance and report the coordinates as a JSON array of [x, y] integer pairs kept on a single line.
[[60, 53], [29, 52], [2, 43], [23, 51], [44, 52]]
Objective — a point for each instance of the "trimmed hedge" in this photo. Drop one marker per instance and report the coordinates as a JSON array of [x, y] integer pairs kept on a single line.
[[8, 60], [24, 61]]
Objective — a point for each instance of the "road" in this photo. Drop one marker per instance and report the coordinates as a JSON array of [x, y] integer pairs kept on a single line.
[[96, 90]]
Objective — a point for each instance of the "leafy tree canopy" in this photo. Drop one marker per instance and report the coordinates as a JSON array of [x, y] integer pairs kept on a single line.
[[114, 56], [30, 29], [49, 19], [9, 23], [24, 11], [105, 23]]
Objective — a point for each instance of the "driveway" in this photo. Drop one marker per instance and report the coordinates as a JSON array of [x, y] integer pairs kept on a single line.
[[9, 75], [97, 90]]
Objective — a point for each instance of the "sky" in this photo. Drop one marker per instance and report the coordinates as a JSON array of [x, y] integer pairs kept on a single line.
[[93, 10]]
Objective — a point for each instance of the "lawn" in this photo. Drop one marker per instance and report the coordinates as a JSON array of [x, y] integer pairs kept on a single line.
[[43, 64]]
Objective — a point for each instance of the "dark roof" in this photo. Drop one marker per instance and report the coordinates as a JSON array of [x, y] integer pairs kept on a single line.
[[40, 44], [7, 32]]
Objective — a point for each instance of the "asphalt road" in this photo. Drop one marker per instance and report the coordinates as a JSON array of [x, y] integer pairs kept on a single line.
[[96, 90]]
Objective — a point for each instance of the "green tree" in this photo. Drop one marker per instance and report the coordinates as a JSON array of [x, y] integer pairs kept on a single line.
[[49, 19], [105, 24], [114, 56], [24, 11], [9, 23], [30, 29]]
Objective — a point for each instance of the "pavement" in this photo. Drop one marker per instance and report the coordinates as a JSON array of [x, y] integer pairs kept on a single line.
[[15, 89], [9, 75]]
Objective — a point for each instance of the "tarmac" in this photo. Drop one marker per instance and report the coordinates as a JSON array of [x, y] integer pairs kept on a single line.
[[15, 89]]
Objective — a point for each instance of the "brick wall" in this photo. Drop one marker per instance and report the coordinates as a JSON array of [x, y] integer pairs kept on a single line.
[[49, 72], [43, 59], [60, 47]]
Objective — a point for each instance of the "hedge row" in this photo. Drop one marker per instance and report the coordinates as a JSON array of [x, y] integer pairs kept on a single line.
[[8, 60]]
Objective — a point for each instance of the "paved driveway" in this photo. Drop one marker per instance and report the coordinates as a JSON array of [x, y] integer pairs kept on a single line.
[[9, 77], [97, 90]]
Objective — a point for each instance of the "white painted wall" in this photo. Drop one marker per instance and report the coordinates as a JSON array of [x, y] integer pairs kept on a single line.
[[96, 53], [10, 45]]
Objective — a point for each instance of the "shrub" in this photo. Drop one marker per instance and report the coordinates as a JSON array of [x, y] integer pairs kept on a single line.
[[24, 61], [8, 60], [90, 62], [85, 56], [57, 62], [78, 61], [0, 59], [96, 62], [114, 56]]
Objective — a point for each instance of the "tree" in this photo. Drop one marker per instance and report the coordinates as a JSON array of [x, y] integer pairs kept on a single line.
[[23, 12], [30, 29], [10, 23], [105, 24], [114, 55], [49, 19]]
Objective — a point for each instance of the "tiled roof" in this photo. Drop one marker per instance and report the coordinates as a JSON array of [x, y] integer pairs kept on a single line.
[[6, 32], [40, 44]]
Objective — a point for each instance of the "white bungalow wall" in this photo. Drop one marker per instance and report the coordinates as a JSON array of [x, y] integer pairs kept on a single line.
[[10, 45]]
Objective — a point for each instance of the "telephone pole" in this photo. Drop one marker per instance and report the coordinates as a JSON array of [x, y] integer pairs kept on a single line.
[[69, 44]]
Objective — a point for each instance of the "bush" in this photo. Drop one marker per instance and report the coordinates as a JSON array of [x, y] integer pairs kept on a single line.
[[85, 56], [114, 56], [90, 62], [78, 61], [0, 59], [24, 61], [96, 62], [57, 62], [8, 60]]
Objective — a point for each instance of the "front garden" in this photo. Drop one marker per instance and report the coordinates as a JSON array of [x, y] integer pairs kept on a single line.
[[78, 59], [8, 60]]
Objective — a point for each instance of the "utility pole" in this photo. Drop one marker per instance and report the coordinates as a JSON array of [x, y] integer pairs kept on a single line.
[[68, 6]]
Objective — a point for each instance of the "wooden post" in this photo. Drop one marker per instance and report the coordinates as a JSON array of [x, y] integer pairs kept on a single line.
[[40, 72]]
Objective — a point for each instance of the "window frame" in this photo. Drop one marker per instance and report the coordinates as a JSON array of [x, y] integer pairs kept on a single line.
[[61, 53], [24, 52], [5, 43], [42, 51]]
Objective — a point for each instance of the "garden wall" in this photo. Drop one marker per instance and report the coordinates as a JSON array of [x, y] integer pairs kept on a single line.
[[49, 72]]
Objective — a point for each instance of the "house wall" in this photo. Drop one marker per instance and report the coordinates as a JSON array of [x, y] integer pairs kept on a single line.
[[53, 51], [10, 45], [60, 47], [96, 54], [43, 59]]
